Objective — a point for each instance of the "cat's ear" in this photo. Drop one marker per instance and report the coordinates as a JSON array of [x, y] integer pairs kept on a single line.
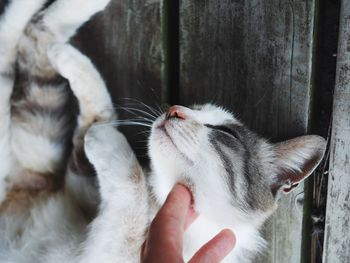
[[295, 160]]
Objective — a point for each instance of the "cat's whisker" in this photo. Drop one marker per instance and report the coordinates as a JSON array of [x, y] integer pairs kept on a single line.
[[133, 110], [124, 124], [136, 110], [146, 89], [147, 132], [141, 119], [131, 123], [141, 143], [128, 123], [136, 135], [161, 109], [154, 111]]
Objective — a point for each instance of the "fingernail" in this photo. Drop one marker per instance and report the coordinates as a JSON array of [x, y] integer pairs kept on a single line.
[[227, 240], [183, 187]]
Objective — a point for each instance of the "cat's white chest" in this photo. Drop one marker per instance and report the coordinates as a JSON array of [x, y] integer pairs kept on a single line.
[[248, 240]]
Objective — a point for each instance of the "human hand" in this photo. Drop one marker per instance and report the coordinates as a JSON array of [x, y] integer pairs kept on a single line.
[[165, 236]]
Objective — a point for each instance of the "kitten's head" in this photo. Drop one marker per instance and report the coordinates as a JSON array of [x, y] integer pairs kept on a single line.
[[231, 171]]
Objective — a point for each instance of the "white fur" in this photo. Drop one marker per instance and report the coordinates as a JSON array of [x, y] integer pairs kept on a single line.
[[50, 227], [211, 114], [29, 149]]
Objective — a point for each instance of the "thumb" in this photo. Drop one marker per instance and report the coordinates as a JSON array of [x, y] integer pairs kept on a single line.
[[216, 249]]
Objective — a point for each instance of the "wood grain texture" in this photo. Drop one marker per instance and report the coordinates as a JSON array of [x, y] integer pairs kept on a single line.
[[254, 57], [125, 44], [337, 236]]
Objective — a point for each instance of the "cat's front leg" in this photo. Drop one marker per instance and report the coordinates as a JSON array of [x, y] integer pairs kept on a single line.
[[117, 233], [95, 106], [86, 83]]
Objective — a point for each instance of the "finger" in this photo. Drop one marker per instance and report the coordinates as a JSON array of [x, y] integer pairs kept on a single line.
[[142, 253], [171, 217], [191, 213], [177, 213], [216, 249], [167, 228]]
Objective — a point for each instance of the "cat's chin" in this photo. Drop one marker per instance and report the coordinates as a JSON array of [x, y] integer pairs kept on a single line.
[[163, 132], [163, 143]]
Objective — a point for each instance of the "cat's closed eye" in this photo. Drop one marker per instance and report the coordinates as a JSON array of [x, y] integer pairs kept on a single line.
[[224, 129]]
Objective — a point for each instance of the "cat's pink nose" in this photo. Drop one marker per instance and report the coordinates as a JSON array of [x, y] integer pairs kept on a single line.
[[175, 112]]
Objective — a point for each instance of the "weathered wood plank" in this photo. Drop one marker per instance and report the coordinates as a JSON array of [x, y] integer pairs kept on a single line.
[[255, 58], [125, 44], [337, 235], [324, 71]]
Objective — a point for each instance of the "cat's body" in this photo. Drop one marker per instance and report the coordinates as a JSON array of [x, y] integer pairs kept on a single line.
[[52, 208], [47, 192]]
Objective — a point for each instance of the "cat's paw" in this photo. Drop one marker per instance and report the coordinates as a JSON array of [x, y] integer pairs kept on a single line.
[[30, 7], [119, 174], [106, 148], [65, 59], [90, 6], [99, 5], [25, 9], [59, 55]]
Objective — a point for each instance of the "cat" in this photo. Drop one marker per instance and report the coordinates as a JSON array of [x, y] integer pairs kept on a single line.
[[55, 206]]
